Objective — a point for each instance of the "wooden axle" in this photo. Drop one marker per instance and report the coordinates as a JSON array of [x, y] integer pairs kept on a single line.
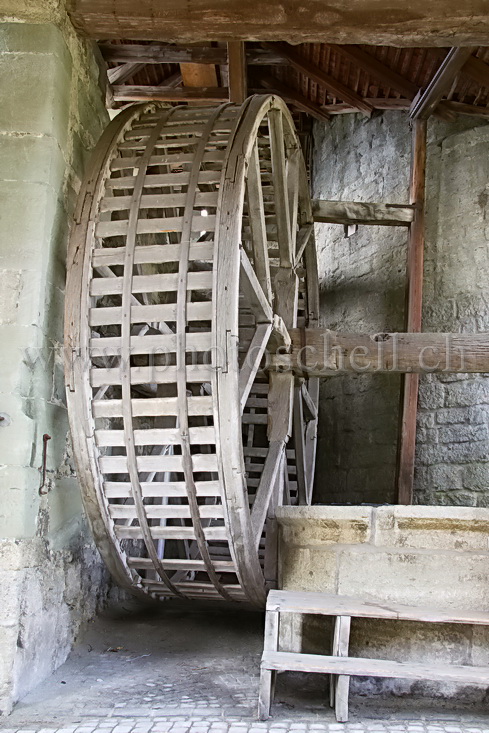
[[319, 352]]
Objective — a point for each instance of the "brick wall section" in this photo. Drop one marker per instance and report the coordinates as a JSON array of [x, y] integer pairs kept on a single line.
[[53, 113], [363, 288]]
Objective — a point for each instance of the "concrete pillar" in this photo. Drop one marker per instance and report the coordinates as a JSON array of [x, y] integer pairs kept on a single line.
[[53, 113]]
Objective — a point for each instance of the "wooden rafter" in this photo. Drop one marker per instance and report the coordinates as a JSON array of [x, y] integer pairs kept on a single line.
[[377, 69], [162, 53], [292, 96], [124, 72], [325, 80], [478, 70], [426, 102]]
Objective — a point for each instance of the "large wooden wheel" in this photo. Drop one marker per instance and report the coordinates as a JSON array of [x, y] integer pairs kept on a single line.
[[191, 256]]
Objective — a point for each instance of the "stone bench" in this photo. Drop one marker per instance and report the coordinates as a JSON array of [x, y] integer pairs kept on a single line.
[[339, 665]]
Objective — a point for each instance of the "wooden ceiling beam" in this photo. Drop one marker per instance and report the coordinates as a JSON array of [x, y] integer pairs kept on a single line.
[[426, 101], [377, 69], [162, 53], [323, 79], [275, 86], [414, 23]]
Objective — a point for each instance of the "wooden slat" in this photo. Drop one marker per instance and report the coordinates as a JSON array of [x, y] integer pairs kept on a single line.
[[414, 305], [325, 80], [425, 102], [195, 373], [150, 283], [281, 661], [142, 563], [172, 159], [150, 344], [361, 212], [199, 311], [204, 435], [165, 511], [154, 226], [155, 489], [159, 463], [158, 201], [162, 179], [152, 253], [152, 407]]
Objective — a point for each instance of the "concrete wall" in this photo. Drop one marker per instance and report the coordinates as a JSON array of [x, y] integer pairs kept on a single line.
[[363, 289], [52, 114], [433, 556]]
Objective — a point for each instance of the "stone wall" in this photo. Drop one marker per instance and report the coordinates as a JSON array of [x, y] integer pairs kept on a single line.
[[362, 282], [53, 112], [416, 555]]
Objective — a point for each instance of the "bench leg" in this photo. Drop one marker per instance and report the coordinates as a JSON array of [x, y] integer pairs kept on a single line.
[[267, 676], [267, 689], [340, 684]]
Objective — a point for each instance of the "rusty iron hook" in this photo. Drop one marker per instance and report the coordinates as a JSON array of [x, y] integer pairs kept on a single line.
[[42, 489]]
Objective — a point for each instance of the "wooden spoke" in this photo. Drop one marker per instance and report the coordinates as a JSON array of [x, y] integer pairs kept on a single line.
[[258, 228], [280, 187], [252, 361], [256, 298], [171, 306]]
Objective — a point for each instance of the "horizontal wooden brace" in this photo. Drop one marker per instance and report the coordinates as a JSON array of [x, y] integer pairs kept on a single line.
[[360, 212], [319, 352]]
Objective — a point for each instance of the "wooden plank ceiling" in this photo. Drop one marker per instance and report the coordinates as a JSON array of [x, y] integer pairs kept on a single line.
[[316, 78]]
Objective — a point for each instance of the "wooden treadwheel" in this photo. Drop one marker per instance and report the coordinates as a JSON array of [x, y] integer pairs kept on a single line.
[[191, 256]]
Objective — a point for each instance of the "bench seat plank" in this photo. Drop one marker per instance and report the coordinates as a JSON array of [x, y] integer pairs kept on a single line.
[[289, 661], [333, 605]]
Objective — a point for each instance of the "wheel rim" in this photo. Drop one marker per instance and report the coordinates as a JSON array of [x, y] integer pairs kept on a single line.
[[180, 258]]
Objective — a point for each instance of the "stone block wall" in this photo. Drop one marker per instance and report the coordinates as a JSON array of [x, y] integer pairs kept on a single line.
[[363, 281], [52, 114]]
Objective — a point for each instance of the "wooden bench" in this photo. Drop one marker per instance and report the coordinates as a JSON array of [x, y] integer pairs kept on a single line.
[[339, 665]]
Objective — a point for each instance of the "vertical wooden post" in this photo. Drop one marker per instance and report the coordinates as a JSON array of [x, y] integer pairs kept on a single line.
[[238, 88], [415, 259]]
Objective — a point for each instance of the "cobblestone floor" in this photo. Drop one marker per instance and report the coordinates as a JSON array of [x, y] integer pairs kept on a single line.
[[182, 671]]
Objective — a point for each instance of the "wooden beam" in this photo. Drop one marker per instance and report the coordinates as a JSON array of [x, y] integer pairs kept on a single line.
[[319, 352], [414, 23], [275, 86], [465, 109], [426, 102], [123, 93], [325, 80], [123, 72], [414, 304], [388, 77], [238, 86], [360, 212], [162, 53], [377, 103]]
